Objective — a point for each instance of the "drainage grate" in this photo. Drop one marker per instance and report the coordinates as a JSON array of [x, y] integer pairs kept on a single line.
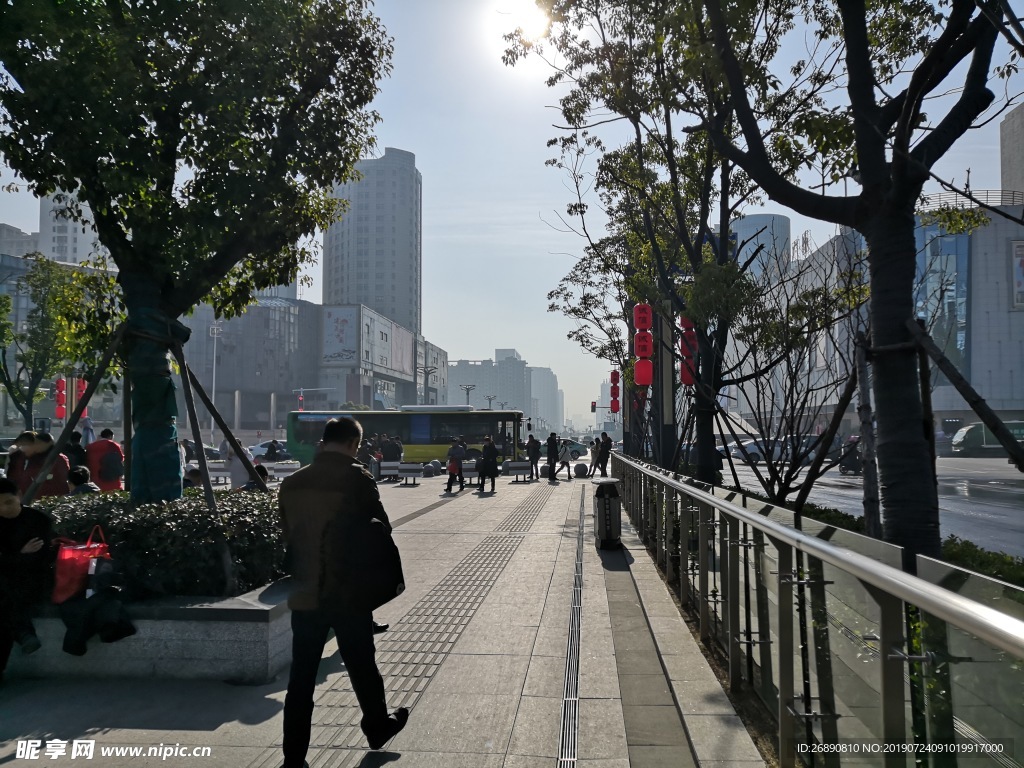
[[567, 747]]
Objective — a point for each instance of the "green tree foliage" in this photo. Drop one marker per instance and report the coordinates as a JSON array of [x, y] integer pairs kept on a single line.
[[205, 138], [36, 351]]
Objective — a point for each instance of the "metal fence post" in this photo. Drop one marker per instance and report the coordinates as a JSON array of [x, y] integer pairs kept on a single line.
[[787, 743], [703, 538], [731, 595]]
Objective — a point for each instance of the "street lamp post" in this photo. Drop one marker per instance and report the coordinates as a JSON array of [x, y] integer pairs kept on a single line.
[[215, 333], [490, 399], [428, 371], [467, 388], [502, 405]]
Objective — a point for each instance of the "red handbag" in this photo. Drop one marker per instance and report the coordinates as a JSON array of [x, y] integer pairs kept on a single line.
[[71, 571]]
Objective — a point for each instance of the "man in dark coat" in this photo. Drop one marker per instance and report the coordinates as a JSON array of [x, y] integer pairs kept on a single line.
[[533, 454], [335, 490], [604, 452], [552, 457]]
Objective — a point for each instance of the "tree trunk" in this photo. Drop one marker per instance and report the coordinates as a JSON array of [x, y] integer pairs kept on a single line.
[[155, 461], [910, 507]]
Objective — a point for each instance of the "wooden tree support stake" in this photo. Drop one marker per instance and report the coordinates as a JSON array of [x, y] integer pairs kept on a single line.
[[970, 394]]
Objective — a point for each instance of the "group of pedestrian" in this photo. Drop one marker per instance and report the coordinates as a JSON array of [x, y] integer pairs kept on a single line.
[[486, 465], [96, 467], [560, 455]]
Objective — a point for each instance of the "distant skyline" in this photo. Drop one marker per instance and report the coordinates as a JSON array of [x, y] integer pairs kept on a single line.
[[492, 242]]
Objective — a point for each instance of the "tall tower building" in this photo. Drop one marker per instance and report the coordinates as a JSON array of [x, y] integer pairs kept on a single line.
[[374, 255]]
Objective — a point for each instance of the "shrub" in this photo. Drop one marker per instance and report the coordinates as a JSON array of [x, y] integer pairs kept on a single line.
[[173, 548]]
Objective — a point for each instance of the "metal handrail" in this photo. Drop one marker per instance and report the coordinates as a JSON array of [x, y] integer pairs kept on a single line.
[[998, 629]]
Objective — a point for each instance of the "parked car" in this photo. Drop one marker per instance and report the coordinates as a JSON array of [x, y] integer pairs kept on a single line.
[[259, 451], [576, 449], [807, 448], [755, 451], [212, 454]]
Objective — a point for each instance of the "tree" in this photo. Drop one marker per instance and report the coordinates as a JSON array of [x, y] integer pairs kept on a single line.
[[660, 188], [888, 60], [35, 352], [205, 139], [854, 107]]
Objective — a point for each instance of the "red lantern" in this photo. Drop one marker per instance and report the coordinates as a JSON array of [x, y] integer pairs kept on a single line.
[[615, 377], [80, 386], [643, 373], [688, 372], [614, 406], [643, 317], [643, 344], [615, 391], [60, 393], [59, 412]]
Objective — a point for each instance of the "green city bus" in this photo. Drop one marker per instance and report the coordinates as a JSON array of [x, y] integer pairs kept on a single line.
[[426, 431], [978, 440]]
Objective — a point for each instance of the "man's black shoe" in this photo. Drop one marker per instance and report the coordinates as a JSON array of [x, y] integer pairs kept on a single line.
[[396, 722], [379, 628]]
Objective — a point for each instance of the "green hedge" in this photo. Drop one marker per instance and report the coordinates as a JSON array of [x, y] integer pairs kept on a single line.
[[172, 548]]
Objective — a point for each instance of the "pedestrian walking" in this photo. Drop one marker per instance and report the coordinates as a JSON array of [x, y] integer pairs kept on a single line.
[[604, 453], [487, 465], [552, 445], [318, 504], [533, 454], [564, 459], [593, 448], [456, 455]]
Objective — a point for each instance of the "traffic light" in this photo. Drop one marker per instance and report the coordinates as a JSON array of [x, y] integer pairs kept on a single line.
[[593, 406]]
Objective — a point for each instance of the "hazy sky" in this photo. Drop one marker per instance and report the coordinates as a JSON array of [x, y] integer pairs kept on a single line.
[[492, 248]]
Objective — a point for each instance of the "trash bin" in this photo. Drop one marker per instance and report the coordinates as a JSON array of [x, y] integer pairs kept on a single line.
[[607, 512]]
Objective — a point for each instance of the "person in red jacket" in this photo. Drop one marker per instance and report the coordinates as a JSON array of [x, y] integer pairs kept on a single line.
[[26, 463], [106, 462]]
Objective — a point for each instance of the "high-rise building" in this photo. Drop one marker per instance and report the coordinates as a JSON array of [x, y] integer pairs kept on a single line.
[[1011, 160], [544, 389], [14, 242], [63, 239], [506, 377], [374, 254]]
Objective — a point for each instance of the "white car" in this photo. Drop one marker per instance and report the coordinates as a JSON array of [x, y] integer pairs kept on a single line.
[[754, 451], [260, 449]]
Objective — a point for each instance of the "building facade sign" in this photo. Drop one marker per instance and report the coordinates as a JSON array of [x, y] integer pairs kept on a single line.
[[341, 337]]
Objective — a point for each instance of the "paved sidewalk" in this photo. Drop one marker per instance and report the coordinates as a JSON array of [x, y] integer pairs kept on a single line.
[[515, 644]]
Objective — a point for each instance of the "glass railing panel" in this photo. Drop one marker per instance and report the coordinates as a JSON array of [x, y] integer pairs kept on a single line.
[[974, 693]]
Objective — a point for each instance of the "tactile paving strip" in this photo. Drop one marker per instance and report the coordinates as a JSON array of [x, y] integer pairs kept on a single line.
[[525, 515], [412, 651]]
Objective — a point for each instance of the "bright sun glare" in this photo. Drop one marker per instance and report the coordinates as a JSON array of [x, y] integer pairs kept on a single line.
[[524, 15]]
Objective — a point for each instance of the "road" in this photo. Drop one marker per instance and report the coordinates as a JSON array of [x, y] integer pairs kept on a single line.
[[981, 500]]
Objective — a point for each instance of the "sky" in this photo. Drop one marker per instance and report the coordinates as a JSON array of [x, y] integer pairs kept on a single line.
[[493, 244]]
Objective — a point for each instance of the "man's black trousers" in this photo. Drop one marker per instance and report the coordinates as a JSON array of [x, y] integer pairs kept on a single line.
[[354, 632]]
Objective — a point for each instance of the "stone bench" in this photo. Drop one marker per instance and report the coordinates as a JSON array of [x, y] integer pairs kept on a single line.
[[518, 469], [245, 639], [410, 470], [389, 470]]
